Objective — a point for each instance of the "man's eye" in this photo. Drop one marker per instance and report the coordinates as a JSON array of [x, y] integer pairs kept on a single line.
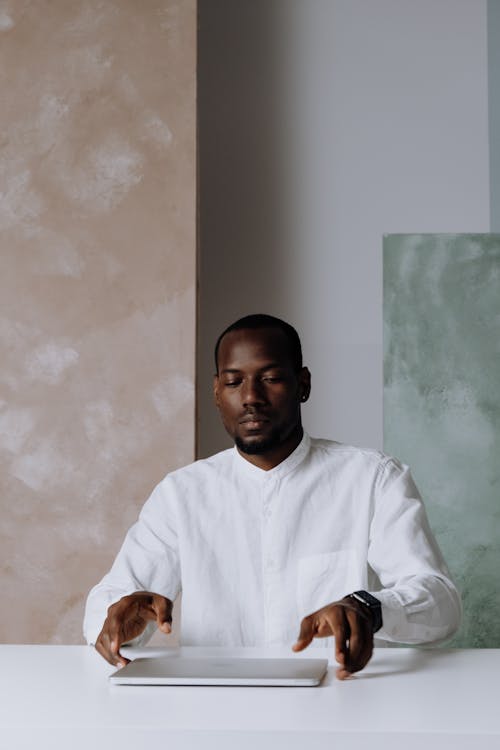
[[273, 379], [232, 383]]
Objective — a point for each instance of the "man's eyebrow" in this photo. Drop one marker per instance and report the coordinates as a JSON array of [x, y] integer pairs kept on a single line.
[[270, 366]]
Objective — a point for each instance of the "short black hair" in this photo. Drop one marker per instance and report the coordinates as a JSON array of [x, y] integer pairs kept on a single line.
[[266, 321]]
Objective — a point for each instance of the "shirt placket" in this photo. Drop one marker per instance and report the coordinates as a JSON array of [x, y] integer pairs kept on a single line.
[[270, 560]]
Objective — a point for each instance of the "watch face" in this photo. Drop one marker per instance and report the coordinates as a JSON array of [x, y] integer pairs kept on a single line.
[[373, 605], [367, 598]]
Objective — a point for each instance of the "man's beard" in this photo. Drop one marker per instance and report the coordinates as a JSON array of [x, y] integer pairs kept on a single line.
[[256, 448]]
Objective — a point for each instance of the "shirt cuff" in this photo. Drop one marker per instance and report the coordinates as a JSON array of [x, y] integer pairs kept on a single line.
[[397, 627]]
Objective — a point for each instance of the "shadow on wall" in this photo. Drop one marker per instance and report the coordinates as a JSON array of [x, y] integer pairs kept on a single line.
[[242, 178]]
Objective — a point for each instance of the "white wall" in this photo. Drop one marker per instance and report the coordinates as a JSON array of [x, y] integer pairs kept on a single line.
[[323, 125], [494, 109]]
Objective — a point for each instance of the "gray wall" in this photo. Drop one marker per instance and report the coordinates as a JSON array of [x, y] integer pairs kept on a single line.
[[442, 403], [323, 125]]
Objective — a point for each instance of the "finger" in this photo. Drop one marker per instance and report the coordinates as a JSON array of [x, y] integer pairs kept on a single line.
[[342, 646], [339, 627], [360, 641], [343, 674], [113, 639], [104, 640], [104, 652], [154, 607], [119, 660], [109, 650], [163, 610], [307, 630], [113, 636]]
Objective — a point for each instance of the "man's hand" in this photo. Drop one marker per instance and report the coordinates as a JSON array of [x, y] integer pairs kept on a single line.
[[127, 619], [351, 625]]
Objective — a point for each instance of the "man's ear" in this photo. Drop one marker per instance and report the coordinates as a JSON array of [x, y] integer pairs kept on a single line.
[[304, 384], [216, 390]]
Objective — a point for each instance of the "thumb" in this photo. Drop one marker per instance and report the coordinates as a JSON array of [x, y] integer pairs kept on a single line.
[[163, 608], [306, 634]]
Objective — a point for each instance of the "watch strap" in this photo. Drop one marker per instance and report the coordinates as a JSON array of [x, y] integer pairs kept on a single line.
[[373, 604]]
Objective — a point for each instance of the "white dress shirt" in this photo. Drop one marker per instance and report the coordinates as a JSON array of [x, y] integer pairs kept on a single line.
[[254, 551]]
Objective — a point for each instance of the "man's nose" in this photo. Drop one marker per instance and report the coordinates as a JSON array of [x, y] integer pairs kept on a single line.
[[253, 393]]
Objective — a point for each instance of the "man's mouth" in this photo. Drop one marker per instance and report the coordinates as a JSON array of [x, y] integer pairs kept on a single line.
[[254, 421]]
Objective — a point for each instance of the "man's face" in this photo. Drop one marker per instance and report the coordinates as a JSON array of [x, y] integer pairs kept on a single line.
[[258, 392]]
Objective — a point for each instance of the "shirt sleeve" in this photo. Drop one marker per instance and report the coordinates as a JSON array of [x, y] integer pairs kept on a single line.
[[147, 561], [420, 603]]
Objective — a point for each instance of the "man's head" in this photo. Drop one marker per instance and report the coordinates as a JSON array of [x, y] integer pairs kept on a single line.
[[259, 385], [258, 322]]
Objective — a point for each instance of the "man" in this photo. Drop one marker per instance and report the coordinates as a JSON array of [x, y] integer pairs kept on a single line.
[[282, 534]]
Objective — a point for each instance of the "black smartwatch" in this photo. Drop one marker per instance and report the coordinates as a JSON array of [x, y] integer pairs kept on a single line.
[[373, 605]]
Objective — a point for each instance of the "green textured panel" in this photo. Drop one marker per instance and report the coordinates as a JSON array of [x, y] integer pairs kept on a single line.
[[442, 403]]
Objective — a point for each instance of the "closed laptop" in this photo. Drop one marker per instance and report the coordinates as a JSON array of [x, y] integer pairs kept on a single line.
[[221, 671]]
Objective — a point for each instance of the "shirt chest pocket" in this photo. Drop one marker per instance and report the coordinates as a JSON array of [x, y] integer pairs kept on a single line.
[[325, 578]]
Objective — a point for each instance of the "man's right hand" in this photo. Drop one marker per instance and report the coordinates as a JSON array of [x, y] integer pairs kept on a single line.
[[127, 619]]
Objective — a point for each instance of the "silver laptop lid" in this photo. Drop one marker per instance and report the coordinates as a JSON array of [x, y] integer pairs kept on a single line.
[[221, 671]]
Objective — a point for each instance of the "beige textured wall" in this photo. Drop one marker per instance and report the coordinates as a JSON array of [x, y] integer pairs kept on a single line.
[[97, 276]]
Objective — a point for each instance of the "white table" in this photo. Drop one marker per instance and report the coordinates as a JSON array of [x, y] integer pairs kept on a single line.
[[59, 697]]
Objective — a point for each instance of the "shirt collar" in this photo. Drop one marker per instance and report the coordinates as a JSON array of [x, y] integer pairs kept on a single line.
[[278, 472]]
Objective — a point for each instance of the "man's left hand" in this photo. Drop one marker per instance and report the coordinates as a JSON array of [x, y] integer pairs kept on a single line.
[[351, 625]]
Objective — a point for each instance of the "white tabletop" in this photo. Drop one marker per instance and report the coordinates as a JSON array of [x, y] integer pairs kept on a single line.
[[59, 696]]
